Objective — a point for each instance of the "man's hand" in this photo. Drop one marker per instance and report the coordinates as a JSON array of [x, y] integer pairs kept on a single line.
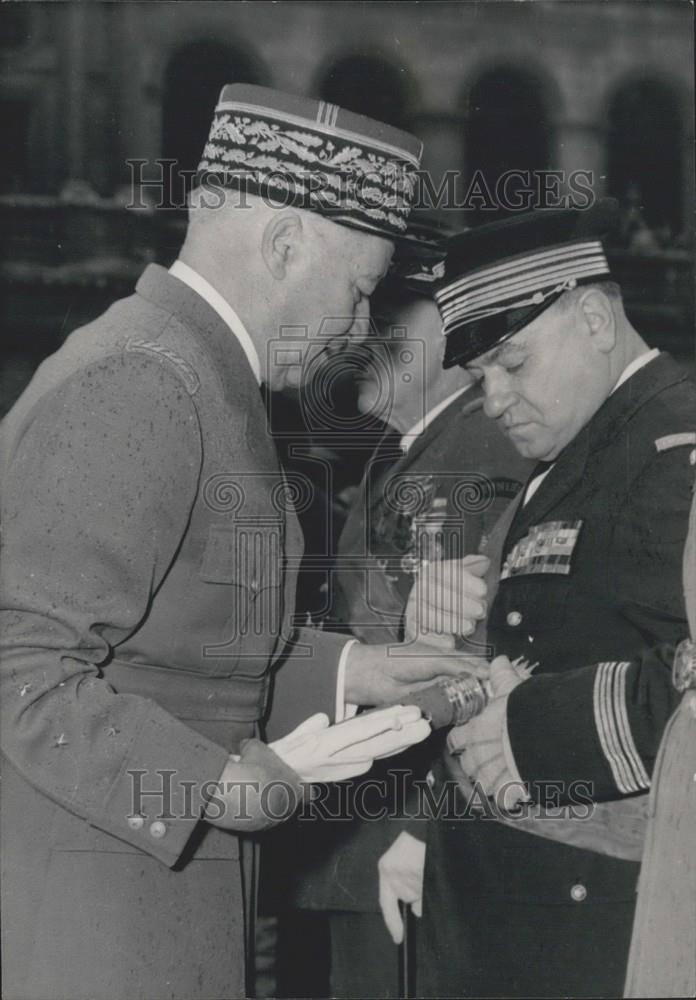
[[383, 675], [401, 878], [480, 742], [320, 752], [447, 598]]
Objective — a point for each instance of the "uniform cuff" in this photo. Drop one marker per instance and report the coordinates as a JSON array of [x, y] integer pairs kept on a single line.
[[162, 789], [261, 791], [344, 709]]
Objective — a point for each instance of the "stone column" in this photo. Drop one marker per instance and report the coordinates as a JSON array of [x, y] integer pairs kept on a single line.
[[76, 43]]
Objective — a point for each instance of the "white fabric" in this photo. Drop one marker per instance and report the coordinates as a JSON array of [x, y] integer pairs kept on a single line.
[[418, 428], [344, 709], [401, 870], [510, 761], [224, 310], [640, 362], [535, 483], [320, 752]]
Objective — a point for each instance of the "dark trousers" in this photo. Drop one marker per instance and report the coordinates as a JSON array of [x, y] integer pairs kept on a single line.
[[364, 959], [499, 917]]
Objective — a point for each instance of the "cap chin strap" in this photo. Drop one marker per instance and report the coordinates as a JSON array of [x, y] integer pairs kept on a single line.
[[534, 300]]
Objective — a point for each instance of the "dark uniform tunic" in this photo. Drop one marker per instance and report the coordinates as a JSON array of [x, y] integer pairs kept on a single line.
[[591, 575], [144, 597]]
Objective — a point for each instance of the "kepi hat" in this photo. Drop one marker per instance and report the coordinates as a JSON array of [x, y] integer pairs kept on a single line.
[[501, 276], [310, 154]]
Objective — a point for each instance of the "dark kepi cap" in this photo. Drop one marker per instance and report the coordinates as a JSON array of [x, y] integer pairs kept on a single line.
[[419, 263], [499, 277], [314, 155]]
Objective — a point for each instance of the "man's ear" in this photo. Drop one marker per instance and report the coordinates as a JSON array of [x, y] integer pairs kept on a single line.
[[597, 312], [281, 240]]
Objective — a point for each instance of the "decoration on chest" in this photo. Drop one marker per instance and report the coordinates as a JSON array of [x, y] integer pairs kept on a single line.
[[409, 527], [547, 548]]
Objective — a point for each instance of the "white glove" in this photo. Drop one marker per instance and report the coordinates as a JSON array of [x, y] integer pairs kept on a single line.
[[447, 598], [320, 752], [401, 878]]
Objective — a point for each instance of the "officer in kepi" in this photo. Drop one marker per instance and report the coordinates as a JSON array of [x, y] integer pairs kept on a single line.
[[585, 586], [150, 556]]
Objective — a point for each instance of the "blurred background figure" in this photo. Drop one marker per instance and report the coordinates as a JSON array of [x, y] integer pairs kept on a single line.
[[662, 960]]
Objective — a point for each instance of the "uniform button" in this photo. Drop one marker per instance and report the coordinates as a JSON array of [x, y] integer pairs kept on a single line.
[[157, 829], [514, 618], [430, 779], [254, 585], [136, 822], [578, 893], [692, 457]]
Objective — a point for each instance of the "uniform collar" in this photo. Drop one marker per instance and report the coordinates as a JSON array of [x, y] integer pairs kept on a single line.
[[224, 310], [630, 369], [635, 365], [638, 388]]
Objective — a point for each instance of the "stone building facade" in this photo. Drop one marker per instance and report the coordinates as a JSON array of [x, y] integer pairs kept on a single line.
[[601, 86], [570, 84]]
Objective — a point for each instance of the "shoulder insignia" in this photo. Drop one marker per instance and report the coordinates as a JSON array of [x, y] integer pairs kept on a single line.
[[187, 374], [675, 440]]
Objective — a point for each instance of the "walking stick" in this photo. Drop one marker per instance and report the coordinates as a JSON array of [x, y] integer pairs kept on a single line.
[[407, 954]]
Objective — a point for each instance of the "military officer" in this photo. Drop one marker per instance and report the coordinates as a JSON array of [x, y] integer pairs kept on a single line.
[[433, 492], [588, 571], [149, 562]]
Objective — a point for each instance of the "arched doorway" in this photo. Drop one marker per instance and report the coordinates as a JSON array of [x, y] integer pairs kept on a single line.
[[193, 79], [507, 129], [645, 153], [369, 85], [16, 164]]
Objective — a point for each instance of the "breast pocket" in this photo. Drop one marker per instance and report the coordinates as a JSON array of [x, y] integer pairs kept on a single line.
[[534, 603], [243, 563]]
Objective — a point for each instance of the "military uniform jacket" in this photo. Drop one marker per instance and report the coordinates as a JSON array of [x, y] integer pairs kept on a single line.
[[591, 575], [590, 579], [437, 500], [148, 576]]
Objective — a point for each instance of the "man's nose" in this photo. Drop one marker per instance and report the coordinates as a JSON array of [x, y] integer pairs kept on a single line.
[[499, 395]]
